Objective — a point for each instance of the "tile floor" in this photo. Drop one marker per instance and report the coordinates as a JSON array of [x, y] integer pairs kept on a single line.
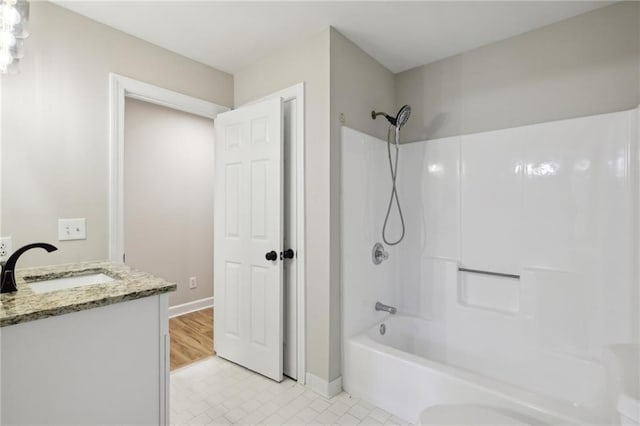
[[218, 392]]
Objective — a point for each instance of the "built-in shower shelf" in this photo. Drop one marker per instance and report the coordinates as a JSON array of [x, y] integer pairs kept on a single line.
[[496, 293]]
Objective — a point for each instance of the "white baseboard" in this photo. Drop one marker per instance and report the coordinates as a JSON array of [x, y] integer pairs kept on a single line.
[[324, 388], [185, 308]]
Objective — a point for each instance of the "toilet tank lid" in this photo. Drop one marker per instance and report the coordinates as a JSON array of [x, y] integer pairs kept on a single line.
[[629, 406]]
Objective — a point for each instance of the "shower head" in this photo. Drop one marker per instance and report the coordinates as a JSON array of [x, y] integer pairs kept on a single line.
[[397, 121], [403, 116]]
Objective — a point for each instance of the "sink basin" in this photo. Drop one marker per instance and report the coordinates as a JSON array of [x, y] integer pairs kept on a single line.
[[69, 282]]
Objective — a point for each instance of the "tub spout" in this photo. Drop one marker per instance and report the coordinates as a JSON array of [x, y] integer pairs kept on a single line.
[[385, 308]]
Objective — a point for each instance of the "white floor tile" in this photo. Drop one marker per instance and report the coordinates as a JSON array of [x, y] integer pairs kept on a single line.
[[326, 418], [274, 419], [348, 419], [215, 412], [220, 421], [218, 392], [235, 414], [398, 421], [347, 399], [366, 405], [296, 421], [197, 408], [339, 408], [250, 405], [320, 405], [370, 421], [200, 420], [359, 411], [300, 402], [269, 408], [253, 418], [380, 415], [307, 415], [287, 412]]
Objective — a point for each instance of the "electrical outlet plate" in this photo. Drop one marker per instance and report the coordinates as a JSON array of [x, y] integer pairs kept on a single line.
[[72, 229], [193, 282], [6, 247]]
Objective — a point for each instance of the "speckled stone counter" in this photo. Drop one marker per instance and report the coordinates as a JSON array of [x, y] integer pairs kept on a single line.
[[25, 305]]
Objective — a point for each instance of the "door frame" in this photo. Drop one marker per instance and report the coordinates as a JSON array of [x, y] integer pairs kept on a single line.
[[121, 87], [290, 93]]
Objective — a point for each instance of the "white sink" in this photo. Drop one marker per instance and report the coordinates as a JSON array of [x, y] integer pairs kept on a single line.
[[69, 282]]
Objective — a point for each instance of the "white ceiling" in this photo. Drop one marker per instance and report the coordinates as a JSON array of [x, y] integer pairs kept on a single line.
[[400, 35]]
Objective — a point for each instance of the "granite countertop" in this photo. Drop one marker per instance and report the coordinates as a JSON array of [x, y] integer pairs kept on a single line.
[[25, 305]]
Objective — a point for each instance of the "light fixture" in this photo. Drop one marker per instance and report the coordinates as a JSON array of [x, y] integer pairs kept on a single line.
[[14, 22]]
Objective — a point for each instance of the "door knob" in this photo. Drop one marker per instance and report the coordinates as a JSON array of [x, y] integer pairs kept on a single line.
[[287, 254], [272, 255]]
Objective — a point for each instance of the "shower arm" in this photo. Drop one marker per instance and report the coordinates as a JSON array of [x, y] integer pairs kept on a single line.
[[391, 120]]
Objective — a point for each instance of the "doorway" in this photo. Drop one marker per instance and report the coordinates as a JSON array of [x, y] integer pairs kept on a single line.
[[122, 88], [168, 216]]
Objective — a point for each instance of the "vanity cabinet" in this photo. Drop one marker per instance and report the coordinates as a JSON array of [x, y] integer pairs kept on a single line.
[[99, 366]]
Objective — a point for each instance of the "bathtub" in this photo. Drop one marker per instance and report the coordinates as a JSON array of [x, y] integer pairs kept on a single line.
[[404, 374]]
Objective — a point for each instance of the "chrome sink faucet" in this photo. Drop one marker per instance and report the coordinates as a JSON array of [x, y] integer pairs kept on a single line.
[[7, 278], [385, 308]]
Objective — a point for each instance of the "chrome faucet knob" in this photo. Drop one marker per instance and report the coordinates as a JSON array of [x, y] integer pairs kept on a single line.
[[379, 254]]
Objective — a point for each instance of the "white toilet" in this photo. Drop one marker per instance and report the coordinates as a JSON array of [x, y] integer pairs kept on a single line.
[[466, 414], [629, 409], [622, 364], [628, 413]]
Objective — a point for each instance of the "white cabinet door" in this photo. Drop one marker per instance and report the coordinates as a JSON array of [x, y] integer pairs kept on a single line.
[[248, 225], [102, 366]]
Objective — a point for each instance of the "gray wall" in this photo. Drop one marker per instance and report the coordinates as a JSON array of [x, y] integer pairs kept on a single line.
[[168, 196], [339, 78], [359, 84], [305, 61], [585, 65], [55, 125]]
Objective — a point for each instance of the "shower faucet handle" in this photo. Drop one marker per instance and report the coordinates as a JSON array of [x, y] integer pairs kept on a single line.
[[379, 254]]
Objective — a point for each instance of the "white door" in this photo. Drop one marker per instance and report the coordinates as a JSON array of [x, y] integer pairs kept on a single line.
[[248, 228], [290, 240]]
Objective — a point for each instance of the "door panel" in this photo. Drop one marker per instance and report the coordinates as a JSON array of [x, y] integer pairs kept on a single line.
[[232, 299], [290, 240], [249, 223]]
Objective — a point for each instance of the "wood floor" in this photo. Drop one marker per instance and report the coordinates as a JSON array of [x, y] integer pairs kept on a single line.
[[191, 337]]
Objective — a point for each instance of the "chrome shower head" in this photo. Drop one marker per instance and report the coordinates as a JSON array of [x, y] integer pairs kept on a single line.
[[403, 116], [397, 121]]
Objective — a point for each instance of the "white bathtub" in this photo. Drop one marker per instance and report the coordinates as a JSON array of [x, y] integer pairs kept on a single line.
[[409, 368]]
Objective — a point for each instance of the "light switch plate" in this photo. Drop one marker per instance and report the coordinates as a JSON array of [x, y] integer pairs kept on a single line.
[[6, 248], [72, 229]]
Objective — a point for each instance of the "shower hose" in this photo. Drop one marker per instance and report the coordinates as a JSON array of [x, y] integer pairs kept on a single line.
[[393, 167]]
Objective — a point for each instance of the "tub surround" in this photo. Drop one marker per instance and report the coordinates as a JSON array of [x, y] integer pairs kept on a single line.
[[551, 203], [25, 305]]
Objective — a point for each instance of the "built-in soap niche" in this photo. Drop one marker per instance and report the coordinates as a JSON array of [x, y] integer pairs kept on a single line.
[[492, 293]]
